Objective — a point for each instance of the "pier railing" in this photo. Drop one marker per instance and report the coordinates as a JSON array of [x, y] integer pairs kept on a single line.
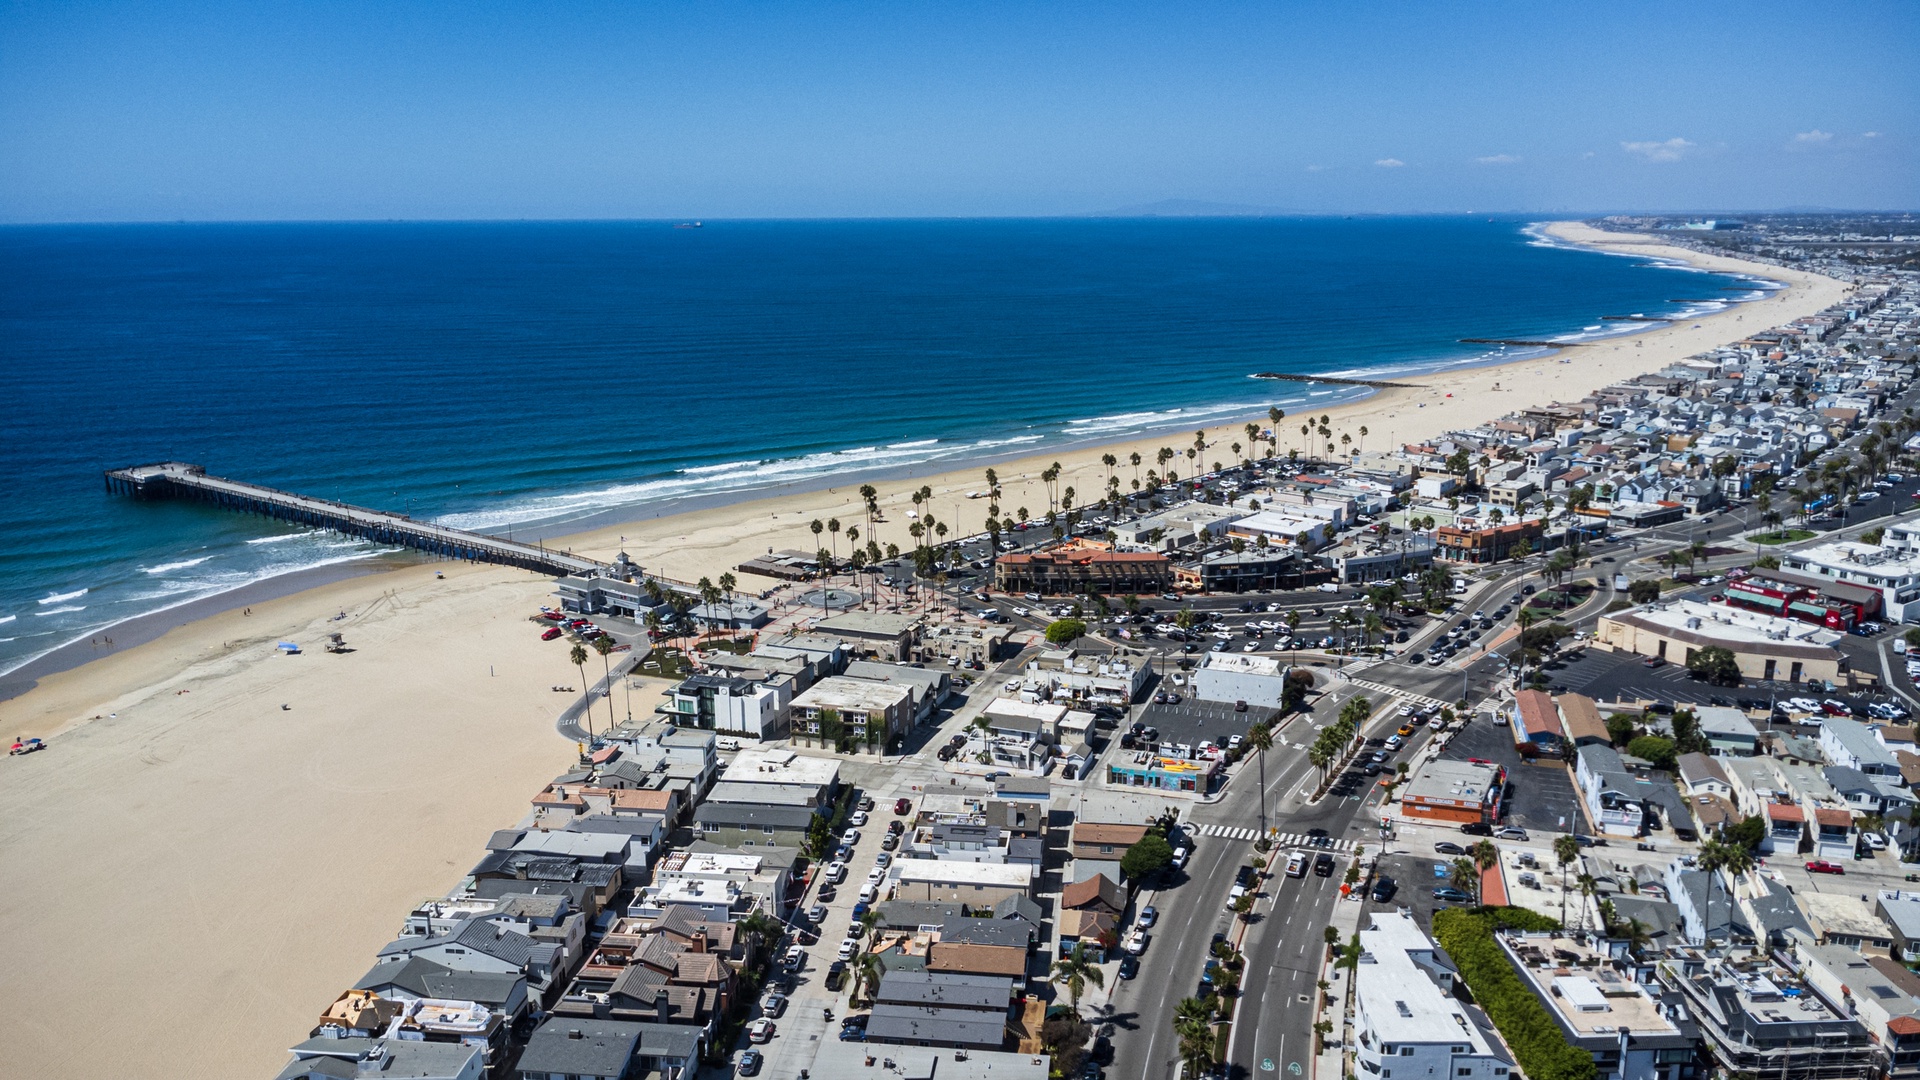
[[179, 480]]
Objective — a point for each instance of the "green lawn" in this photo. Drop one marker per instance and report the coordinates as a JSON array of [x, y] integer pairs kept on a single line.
[[1785, 536]]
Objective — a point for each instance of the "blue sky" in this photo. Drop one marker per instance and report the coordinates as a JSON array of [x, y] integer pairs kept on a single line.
[[158, 111]]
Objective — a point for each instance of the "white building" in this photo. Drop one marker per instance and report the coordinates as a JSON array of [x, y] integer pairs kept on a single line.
[[1410, 1023], [1229, 677], [1282, 528], [1893, 569]]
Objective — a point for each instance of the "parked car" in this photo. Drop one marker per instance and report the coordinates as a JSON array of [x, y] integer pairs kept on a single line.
[[1447, 894], [1448, 847], [1129, 966], [1477, 828], [1822, 866], [1511, 832], [1383, 889], [750, 1062], [795, 959], [904, 806], [773, 1003], [1147, 917]]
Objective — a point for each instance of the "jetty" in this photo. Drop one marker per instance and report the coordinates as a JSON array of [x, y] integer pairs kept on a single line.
[[178, 480], [1335, 380], [1524, 343]]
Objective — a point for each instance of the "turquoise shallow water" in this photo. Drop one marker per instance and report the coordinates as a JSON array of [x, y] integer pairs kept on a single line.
[[529, 375]]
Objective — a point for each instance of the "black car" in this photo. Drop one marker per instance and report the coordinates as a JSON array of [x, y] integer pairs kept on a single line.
[[1129, 966], [1323, 865], [837, 975], [750, 1063], [1383, 889], [1477, 828]]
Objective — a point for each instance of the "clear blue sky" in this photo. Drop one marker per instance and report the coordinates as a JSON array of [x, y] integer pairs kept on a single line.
[[158, 110]]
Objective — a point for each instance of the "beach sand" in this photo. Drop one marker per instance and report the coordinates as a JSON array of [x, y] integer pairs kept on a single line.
[[210, 848]]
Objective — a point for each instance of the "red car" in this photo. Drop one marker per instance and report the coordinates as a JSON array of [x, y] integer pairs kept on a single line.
[[902, 806], [550, 633], [1822, 866], [554, 615]]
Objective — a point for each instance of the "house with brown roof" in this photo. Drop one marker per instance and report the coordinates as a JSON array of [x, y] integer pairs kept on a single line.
[[1096, 930], [1103, 840], [1097, 893], [653, 977], [1580, 720], [965, 959]]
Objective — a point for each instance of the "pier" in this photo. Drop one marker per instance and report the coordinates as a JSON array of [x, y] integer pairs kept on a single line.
[[1375, 383], [178, 480], [1524, 343]]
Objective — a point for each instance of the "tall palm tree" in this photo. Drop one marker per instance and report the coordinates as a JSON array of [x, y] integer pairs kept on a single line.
[[1462, 875], [1260, 740], [1566, 850], [833, 530], [866, 973], [604, 646], [579, 658], [1074, 971], [1193, 1024]]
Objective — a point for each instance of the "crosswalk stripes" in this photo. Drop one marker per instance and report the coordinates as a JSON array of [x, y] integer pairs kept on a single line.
[[1232, 832], [1417, 699]]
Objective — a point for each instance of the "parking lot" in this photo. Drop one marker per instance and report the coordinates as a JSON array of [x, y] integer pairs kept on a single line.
[[1542, 792], [1193, 722]]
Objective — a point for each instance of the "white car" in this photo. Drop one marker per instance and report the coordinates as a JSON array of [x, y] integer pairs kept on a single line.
[[876, 875], [849, 947], [1137, 942], [859, 817], [836, 872], [1328, 587], [850, 837]]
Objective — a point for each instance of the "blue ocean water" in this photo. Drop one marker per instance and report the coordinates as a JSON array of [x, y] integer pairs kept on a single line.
[[522, 375]]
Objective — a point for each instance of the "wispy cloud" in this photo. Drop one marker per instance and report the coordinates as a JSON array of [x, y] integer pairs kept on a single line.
[[1671, 150], [1390, 163], [1498, 159], [1816, 137], [1871, 135], [1316, 168]]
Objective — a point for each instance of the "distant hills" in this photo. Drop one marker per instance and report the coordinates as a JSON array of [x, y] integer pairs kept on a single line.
[[1197, 208]]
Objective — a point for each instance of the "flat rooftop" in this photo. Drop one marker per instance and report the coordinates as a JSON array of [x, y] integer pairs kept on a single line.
[[1397, 993], [1730, 624], [1592, 1000], [781, 765], [841, 692], [1457, 781]]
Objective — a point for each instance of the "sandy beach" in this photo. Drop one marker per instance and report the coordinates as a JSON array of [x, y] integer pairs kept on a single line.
[[186, 838]]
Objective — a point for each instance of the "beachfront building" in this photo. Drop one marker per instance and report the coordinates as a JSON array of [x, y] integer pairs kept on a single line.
[[1408, 1017], [727, 704], [1176, 527], [851, 714], [1765, 646], [1082, 567], [1292, 528]]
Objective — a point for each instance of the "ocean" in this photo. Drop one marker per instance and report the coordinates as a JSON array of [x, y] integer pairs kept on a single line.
[[533, 377]]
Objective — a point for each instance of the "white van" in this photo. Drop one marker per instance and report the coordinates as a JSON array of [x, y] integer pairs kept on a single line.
[[727, 743]]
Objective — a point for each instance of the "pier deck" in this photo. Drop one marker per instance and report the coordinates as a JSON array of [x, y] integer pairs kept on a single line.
[[178, 480]]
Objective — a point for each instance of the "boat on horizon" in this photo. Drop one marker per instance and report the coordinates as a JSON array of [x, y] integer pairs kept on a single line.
[[688, 225]]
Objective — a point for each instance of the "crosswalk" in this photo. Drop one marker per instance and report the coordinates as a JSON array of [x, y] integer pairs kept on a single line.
[[1285, 839], [1405, 695]]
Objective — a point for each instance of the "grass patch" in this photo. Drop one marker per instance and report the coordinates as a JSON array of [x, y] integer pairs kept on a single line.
[[1784, 536], [1618, 605]]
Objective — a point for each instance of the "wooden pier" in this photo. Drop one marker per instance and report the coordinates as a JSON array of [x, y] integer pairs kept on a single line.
[[178, 480]]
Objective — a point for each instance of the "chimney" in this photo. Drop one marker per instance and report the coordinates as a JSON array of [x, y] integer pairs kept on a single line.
[[699, 943], [574, 1033]]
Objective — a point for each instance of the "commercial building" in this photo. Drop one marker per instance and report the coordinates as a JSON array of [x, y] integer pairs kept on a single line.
[[1487, 545], [875, 633], [1224, 677], [1283, 529], [1892, 572], [977, 885], [1084, 679], [1456, 792], [1408, 1018], [1083, 568], [1764, 646], [1536, 720], [1139, 768], [1176, 527]]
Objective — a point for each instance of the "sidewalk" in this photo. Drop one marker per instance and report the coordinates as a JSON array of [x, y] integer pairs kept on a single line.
[[1330, 1062]]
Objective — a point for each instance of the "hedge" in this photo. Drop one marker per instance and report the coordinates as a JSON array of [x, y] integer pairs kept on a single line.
[[1538, 1045]]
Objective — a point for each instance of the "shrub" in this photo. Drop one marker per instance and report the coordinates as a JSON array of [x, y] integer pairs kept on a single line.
[[1065, 631], [1653, 749], [1538, 1046]]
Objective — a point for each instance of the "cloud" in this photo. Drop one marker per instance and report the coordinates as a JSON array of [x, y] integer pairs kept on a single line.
[[1316, 168], [1871, 135], [1390, 163], [1671, 150], [1813, 138], [1498, 159]]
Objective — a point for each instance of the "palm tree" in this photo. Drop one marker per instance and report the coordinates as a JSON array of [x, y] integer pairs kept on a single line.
[[1638, 935], [867, 973], [1485, 857], [1462, 875], [1193, 1023], [1260, 740], [1074, 971], [579, 658], [1566, 850], [604, 645]]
